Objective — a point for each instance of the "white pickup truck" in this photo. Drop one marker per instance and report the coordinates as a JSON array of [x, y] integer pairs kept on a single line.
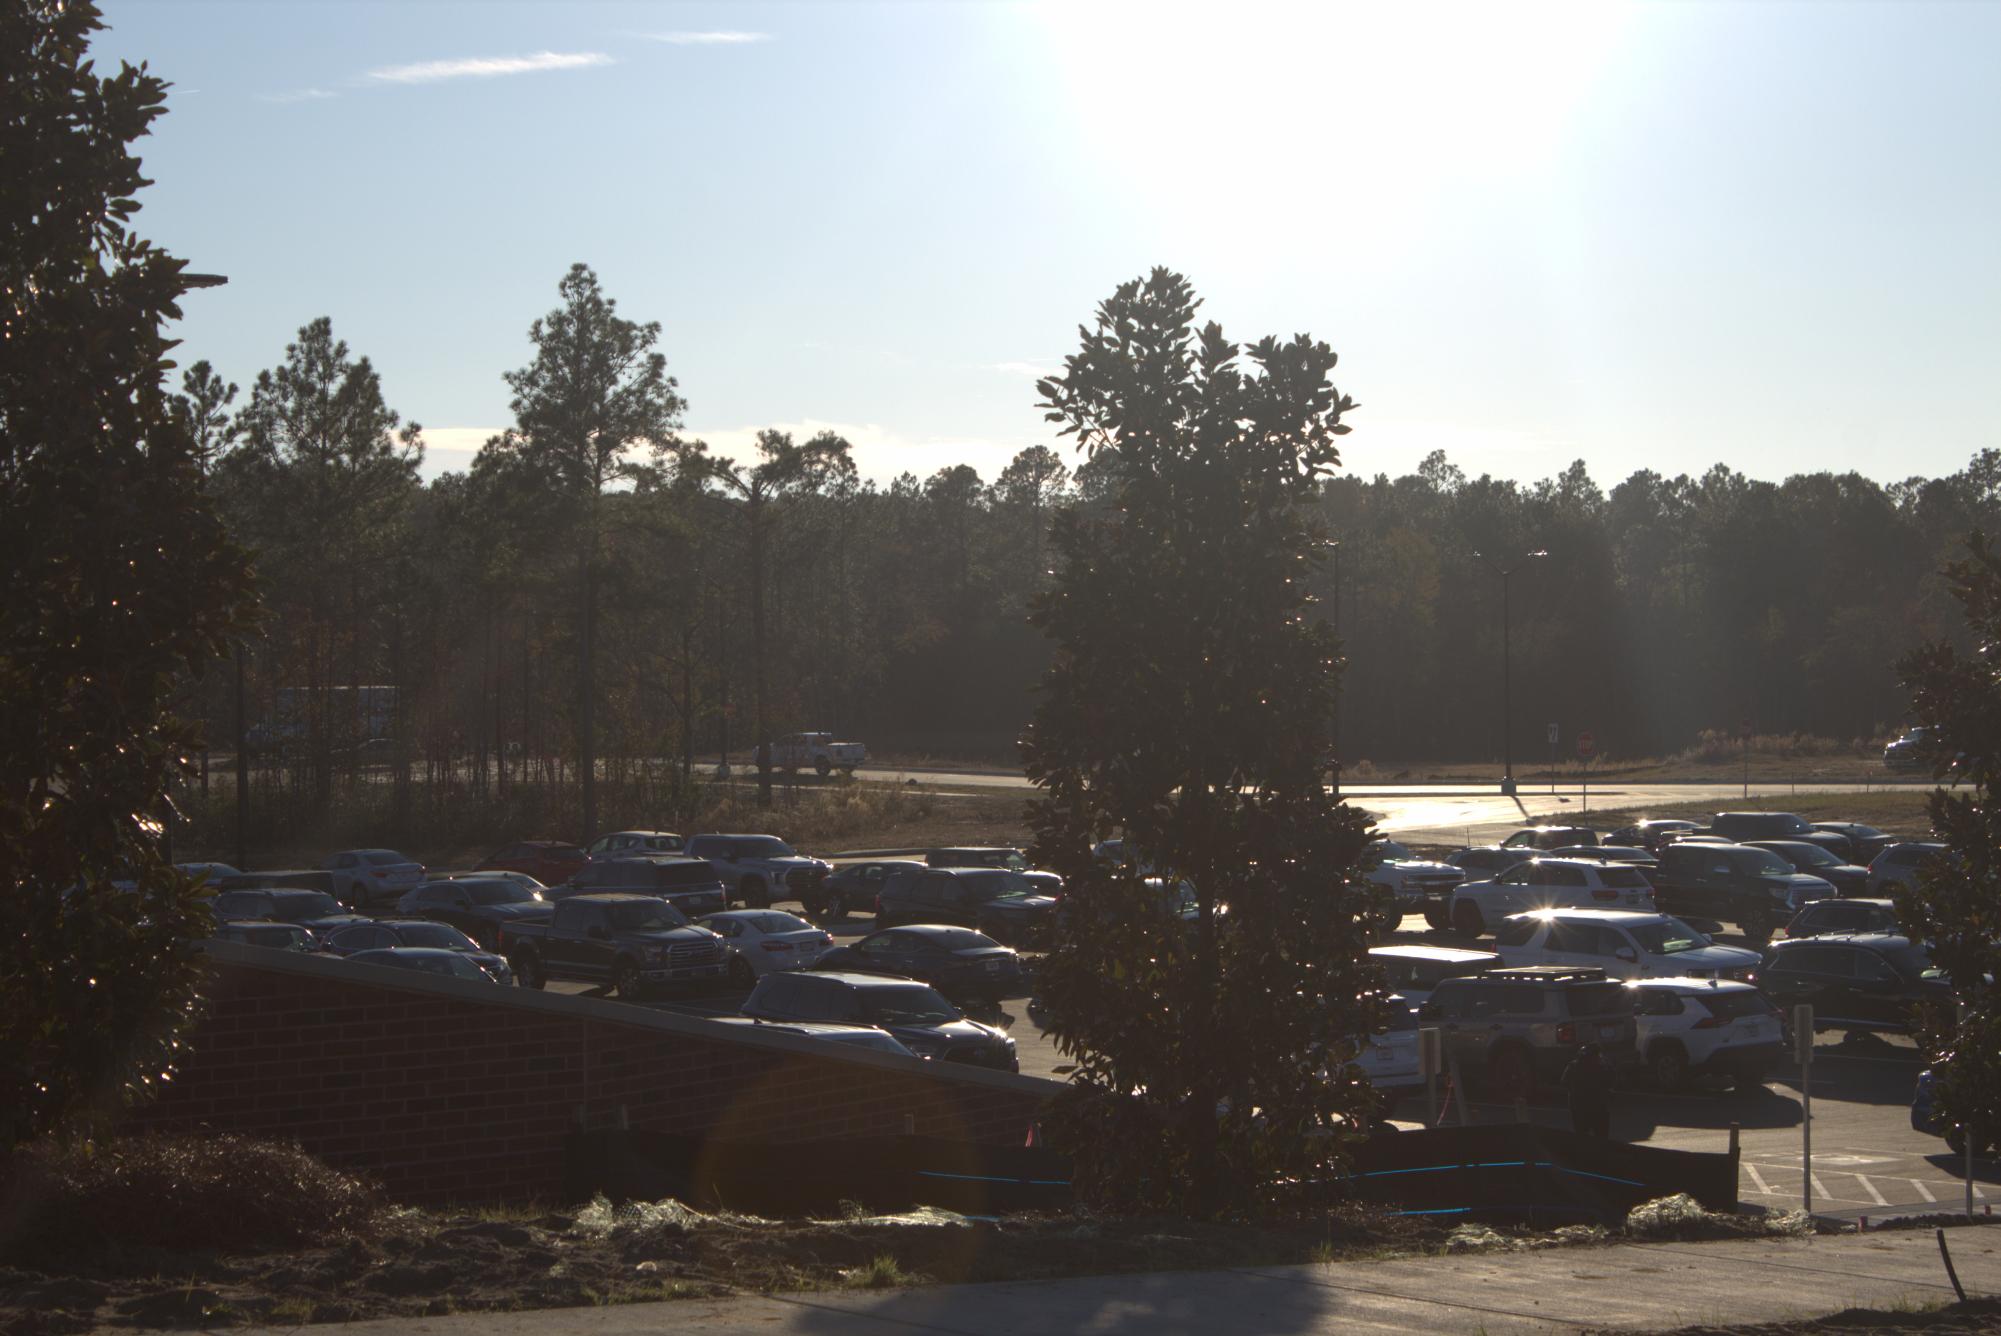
[[817, 752]]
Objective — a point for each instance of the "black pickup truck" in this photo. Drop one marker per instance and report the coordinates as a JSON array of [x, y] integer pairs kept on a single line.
[[632, 942]]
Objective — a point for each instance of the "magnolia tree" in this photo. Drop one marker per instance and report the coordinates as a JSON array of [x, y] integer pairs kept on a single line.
[[1188, 708]]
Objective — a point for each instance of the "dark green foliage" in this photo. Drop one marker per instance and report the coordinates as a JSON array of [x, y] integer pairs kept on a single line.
[[218, 1192], [1955, 905], [1188, 708], [120, 583]]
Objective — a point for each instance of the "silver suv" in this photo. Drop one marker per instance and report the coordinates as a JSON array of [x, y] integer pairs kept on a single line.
[[1512, 1028]]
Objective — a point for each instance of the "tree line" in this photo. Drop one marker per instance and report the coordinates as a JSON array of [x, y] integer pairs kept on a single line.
[[600, 593]]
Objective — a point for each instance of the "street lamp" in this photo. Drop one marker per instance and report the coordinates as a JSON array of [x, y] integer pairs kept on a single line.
[[1342, 687], [1507, 746]]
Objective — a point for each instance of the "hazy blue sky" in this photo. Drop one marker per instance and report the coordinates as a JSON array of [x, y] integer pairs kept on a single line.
[[1658, 236]]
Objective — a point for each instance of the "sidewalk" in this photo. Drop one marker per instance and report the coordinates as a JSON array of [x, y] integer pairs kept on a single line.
[[1638, 1287]]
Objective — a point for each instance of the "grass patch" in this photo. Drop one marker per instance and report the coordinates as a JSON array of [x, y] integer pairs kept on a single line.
[[1901, 811], [880, 1272]]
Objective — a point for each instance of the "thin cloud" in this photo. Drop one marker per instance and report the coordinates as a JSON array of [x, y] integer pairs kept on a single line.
[[1033, 370], [302, 95], [709, 38], [488, 67]]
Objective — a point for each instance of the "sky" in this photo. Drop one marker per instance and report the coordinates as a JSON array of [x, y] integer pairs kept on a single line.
[[1653, 236]]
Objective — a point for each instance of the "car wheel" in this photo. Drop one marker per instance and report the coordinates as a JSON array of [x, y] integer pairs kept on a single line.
[[752, 893], [1466, 918], [1435, 917], [824, 767], [837, 905], [1669, 1066], [1510, 1076], [1955, 1140], [625, 981], [741, 972], [528, 971]]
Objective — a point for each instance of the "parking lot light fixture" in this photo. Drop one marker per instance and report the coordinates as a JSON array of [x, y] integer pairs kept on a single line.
[[1507, 742]]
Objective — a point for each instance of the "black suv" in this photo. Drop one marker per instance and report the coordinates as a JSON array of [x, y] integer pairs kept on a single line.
[[1744, 827], [1753, 888], [916, 1013], [1866, 981], [1850, 915], [1512, 1028], [1013, 907], [1816, 861], [691, 885], [856, 884]]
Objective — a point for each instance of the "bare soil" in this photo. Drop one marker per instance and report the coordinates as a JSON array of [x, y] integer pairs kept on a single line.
[[1967, 1319]]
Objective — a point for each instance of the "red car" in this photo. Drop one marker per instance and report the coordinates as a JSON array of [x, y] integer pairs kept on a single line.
[[551, 862]]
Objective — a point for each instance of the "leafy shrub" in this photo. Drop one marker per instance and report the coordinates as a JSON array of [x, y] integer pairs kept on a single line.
[[228, 1193]]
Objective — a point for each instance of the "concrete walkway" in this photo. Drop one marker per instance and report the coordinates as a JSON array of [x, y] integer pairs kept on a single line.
[[1638, 1287]]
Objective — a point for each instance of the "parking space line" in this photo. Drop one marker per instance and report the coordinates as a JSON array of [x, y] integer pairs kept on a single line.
[[1870, 1188], [1764, 1188], [1923, 1191], [1820, 1189]]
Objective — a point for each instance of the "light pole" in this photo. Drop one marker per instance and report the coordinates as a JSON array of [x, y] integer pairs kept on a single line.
[[1507, 744], [1340, 687]]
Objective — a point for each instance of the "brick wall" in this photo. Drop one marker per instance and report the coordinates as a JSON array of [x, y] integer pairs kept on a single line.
[[449, 1090]]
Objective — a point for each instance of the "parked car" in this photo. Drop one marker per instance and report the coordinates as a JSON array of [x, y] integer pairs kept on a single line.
[[383, 934], [1816, 861], [429, 960], [916, 1013], [1547, 883], [479, 907], [635, 943], [853, 884], [1417, 884], [1860, 982], [315, 911], [1744, 827], [623, 843], [869, 1037], [1015, 907], [1851, 915], [259, 932], [1925, 1118], [817, 752], [1550, 837], [1753, 888], [521, 879], [1907, 751], [1624, 944], [691, 885], [549, 862], [758, 869], [1514, 1028], [1478, 863], [1896, 868], [1651, 834], [1611, 853], [1864, 842], [763, 940], [1689, 1028], [1014, 860], [1389, 1057], [363, 877], [958, 962], [208, 872], [1412, 972]]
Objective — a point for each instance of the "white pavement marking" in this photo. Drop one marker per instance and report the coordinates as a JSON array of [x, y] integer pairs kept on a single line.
[[1870, 1188], [1923, 1191], [1820, 1191], [1764, 1188]]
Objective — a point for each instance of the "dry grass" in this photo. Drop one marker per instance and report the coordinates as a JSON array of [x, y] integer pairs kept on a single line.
[[1900, 811]]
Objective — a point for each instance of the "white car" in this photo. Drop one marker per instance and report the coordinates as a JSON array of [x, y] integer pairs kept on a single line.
[[362, 877], [1390, 1059], [858, 1036], [1624, 944], [1413, 971], [1416, 882], [1706, 1027], [762, 941], [1548, 883]]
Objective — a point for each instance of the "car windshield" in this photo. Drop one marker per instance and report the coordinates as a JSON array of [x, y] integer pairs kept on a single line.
[[912, 1004], [382, 857], [1735, 1003], [498, 892], [1811, 855], [963, 939], [1913, 962], [1765, 863], [1666, 938], [637, 914], [996, 885], [770, 923], [767, 846], [288, 937], [433, 934], [295, 905]]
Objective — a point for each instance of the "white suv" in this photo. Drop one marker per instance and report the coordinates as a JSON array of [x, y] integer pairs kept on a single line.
[[1390, 1059], [1625, 945], [1548, 883], [1706, 1027]]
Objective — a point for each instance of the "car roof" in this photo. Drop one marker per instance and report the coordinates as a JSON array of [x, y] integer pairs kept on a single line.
[[975, 849], [259, 923], [855, 979], [817, 1028], [1850, 900], [1686, 984], [932, 929], [740, 913], [1603, 853], [975, 871], [1560, 860], [608, 834], [1873, 941], [1594, 915], [1451, 954], [608, 897], [407, 951], [736, 835], [664, 860]]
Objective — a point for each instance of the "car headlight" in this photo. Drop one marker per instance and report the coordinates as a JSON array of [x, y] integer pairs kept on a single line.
[[924, 1048]]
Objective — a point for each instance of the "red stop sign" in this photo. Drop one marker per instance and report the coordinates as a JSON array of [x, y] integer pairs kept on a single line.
[[1586, 744]]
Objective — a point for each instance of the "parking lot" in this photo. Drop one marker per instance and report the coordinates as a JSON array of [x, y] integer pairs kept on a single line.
[[1867, 1159]]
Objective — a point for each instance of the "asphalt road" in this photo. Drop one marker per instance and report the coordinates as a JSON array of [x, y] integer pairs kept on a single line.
[[1867, 1159]]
